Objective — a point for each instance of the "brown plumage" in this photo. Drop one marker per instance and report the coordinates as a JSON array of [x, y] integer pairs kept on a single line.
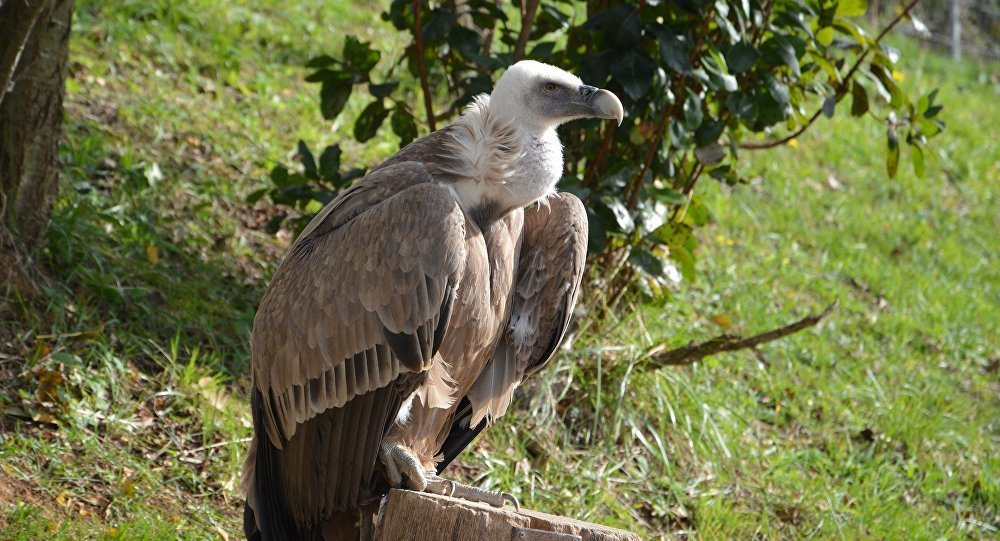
[[424, 289]]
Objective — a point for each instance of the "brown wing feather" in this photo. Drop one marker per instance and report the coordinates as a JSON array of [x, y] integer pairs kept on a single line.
[[351, 285], [550, 268], [348, 328]]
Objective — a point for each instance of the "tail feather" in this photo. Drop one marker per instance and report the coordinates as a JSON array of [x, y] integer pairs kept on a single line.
[[268, 519]]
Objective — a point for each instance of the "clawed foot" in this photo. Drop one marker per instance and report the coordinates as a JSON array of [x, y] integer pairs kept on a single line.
[[400, 461], [447, 487]]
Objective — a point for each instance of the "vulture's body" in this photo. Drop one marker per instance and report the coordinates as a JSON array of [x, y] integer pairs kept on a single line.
[[412, 306]]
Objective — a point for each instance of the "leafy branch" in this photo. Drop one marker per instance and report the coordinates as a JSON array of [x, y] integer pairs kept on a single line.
[[700, 81], [841, 88]]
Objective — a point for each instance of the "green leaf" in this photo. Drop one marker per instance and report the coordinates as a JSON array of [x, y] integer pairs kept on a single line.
[[382, 90], [852, 8], [697, 212], [741, 57], [685, 260], [829, 106], [718, 73], [859, 99], [333, 97], [917, 158], [621, 214], [279, 176], [308, 161], [645, 260], [323, 74], [634, 72], [884, 76], [674, 52], [436, 28], [780, 51], [597, 232], [256, 195], [669, 196], [321, 61], [542, 51], [777, 89], [892, 156], [742, 105], [329, 162], [708, 132], [710, 154], [368, 123], [403, 126], [929, 127], [628, 31], [825, 36], [359, 56], [692, 111], [678, 135]]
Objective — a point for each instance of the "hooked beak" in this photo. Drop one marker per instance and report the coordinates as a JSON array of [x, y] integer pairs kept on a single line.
[[601, 103]]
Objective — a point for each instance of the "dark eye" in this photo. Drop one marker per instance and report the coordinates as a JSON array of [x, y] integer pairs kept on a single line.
[[549, 87]]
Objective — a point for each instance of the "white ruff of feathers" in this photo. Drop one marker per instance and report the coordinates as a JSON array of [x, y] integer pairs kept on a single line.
[[495, 161]]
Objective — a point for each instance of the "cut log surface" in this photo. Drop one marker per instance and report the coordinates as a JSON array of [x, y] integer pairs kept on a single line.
[[408, 515]]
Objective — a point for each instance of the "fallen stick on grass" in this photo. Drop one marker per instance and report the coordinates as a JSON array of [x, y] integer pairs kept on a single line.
[[693, 353]]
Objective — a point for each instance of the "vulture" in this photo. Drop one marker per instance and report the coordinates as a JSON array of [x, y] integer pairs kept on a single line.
[[410, 308]]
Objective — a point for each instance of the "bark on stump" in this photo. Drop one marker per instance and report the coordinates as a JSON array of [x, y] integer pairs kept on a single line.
[[408, 515]]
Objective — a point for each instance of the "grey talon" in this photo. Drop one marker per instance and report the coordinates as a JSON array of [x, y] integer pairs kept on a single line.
[[512, 499]]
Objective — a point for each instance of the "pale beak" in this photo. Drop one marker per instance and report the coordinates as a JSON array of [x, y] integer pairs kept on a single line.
[[602, 104]]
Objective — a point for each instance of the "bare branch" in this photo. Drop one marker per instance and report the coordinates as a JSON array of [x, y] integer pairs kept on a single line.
[[418, 44], [528, 10], [657, 357]]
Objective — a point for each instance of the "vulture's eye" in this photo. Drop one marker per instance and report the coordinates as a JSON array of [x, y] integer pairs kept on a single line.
[[549, 87]]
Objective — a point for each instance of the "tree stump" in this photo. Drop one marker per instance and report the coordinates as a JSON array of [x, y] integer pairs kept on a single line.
[[408, 515]]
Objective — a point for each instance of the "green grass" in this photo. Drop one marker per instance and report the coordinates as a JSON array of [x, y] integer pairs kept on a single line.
[[124, 405]]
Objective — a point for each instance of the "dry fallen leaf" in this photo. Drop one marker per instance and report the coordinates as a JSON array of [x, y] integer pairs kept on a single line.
[[723, 321], [152, 253]]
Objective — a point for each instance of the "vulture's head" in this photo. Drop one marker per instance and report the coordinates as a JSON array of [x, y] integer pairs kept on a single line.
[[541, 97]]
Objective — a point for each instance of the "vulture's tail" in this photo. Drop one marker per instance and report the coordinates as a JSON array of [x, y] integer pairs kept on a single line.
[[269, 518], [460, 435]]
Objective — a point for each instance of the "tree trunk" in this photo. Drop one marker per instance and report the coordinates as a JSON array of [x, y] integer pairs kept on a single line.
[[34, 52]]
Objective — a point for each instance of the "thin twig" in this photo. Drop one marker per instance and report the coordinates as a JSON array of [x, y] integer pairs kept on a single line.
[[841, 89], [418, 43], [759, 31], [528, 11], [657, 357], [214, 445]]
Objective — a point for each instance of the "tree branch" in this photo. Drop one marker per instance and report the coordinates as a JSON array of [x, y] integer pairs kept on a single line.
[[841, 90], [528, 11], [418, 44], [657, 357]]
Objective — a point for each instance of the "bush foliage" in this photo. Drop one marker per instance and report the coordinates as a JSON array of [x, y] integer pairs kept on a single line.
[[701, 81]]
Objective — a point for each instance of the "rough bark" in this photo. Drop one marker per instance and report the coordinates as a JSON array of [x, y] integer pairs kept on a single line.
[[33, 60]]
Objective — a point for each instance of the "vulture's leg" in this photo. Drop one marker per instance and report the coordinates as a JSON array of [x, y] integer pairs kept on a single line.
[[401, 462]]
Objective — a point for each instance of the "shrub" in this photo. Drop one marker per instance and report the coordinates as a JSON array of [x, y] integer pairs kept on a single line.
[[701, 81]]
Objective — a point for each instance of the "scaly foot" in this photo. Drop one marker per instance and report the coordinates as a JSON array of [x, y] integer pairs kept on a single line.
[[401, 462]]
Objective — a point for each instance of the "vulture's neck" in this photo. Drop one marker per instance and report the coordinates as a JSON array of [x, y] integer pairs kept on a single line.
[[498, 165]]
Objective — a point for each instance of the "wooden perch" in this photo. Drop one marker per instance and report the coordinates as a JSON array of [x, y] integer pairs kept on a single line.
[[695, 352], [412, 516]]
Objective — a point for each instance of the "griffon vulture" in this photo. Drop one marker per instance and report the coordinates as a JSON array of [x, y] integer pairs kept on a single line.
[[412, 306]]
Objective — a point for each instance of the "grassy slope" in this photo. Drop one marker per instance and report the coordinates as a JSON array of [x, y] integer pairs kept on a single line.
[[878, 423]]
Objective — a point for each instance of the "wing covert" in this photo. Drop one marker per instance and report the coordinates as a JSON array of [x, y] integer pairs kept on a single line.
[[550, 268], [363, 296]]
